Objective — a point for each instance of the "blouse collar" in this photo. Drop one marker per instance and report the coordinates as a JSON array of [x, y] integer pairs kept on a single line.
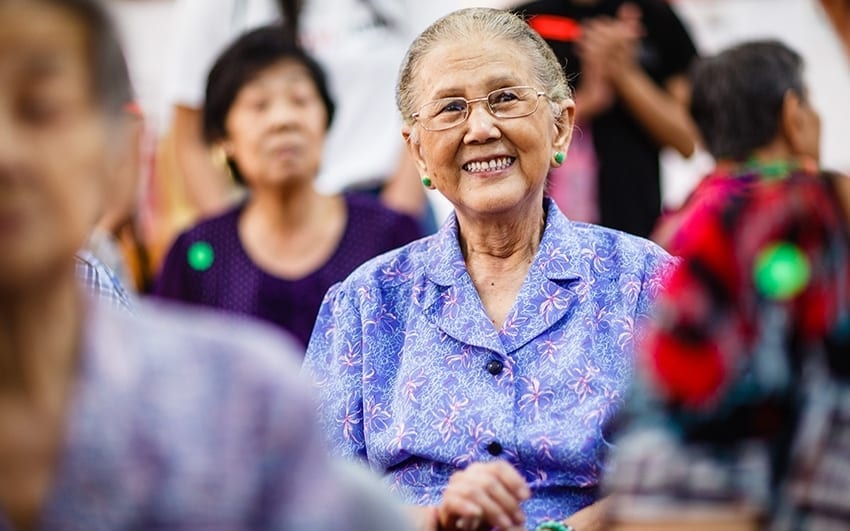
[[556, 258]]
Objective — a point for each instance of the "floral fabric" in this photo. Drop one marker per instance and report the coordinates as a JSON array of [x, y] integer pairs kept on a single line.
[[413, 377]]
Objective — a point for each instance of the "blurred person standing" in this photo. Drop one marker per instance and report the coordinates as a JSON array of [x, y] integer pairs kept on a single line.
[[360, 44], [111, 421], [275, 255], [742, 416], [629, 60]]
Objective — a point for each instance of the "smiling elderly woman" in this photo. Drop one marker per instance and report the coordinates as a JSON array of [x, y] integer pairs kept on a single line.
[[477, 368]]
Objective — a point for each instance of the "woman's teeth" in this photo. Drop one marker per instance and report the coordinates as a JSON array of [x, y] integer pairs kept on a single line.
[[488, 165]]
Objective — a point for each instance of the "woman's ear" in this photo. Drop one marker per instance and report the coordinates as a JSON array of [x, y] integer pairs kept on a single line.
[[226, 147], [788, 121], [799, 125], [411, 139], [564, 125]]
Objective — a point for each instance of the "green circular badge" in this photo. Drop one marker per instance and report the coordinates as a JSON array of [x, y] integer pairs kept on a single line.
[[200, 256], [781, 271]]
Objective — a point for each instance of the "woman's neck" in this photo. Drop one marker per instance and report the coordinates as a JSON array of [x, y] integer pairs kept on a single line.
[[768, 164], [40, 331], [292, 235], [503, 242], [284, 211], [498, 254]]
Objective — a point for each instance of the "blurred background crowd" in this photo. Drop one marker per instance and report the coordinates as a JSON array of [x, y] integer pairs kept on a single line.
[[161, 36]]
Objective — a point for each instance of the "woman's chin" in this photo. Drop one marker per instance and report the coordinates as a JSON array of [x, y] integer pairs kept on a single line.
[[282, 181], [497, 204]]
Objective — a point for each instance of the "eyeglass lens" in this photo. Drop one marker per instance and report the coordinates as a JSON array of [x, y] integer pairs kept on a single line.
[[510, 102]]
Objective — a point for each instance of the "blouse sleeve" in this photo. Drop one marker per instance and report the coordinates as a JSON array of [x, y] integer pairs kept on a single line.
[[334, 362], [658, 266]]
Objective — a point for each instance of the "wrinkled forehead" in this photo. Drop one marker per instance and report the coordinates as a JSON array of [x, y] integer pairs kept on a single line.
[[41, 42], [470, 67]]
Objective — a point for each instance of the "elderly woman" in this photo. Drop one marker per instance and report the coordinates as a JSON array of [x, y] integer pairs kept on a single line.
[[111, 421], [477, 368], [743, 422], [275, 255]]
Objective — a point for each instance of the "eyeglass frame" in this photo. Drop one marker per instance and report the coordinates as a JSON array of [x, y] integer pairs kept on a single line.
[[538, 93]]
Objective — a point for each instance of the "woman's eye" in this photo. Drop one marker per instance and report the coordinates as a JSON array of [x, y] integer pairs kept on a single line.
[[40, 110], [504, 96], [260, 105], [452, 106], [300, 100]]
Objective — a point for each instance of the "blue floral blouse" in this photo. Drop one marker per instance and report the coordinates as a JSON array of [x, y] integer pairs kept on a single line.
[[413, 377]]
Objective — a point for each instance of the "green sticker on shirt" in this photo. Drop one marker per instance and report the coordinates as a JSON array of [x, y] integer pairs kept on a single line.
[[782, 271], [200, 256]]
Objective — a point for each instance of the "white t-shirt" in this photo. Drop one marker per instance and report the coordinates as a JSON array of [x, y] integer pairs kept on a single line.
[[360, 55]]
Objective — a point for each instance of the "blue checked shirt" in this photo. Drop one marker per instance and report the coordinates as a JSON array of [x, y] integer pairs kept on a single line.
[[100, 282]]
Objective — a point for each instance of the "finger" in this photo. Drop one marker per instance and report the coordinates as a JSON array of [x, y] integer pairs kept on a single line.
[[468, 523], [482, 486], [457, 511], [511, 479], [491, 491], [500, 507]]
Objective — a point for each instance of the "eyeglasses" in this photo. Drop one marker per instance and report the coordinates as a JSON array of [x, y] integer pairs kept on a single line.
[[510, 102]]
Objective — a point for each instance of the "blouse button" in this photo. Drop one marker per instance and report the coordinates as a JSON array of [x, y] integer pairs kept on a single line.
[[494, 448], [494, 367]]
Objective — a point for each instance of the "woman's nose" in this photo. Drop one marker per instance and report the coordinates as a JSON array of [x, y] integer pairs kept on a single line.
[[282, 113], [481, 124]]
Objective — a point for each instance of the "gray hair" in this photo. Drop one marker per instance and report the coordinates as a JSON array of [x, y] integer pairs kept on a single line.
[[495, 24]]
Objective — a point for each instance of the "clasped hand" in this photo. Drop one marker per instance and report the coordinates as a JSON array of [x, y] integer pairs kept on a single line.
[[482, 497]]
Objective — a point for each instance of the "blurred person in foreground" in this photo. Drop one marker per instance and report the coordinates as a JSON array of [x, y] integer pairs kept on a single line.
[[111, 421], [477, 368], [742, 419], [114, 239], [99, 280], [275, 255]]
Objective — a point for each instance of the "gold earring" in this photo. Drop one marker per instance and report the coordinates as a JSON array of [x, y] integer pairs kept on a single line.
[[219, 156]]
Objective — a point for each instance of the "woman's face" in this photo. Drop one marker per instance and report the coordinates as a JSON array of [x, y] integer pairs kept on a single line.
[[53, 161], [521, 148], [276, 127]]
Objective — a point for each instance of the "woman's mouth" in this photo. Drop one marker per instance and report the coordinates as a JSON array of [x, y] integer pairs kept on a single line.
[[494, 164]]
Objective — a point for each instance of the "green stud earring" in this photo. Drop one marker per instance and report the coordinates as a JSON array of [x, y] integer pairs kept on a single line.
[[426, 181], [559, 157]]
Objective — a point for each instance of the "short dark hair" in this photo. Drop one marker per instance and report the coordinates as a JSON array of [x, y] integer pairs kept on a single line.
[[241, 62], [738, 94], [110, 76]]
